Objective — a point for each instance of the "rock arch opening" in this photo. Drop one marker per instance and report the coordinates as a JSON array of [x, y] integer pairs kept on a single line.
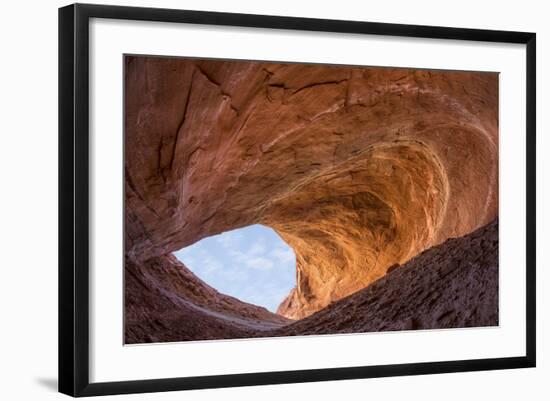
[[252, 264]]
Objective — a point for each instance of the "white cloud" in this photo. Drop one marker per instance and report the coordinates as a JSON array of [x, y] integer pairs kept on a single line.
[[237, 256], [211, 264], [258, 262], [283, 255], [185, 253], [254, 257], [229, 239], [258, 248], [190, 261]]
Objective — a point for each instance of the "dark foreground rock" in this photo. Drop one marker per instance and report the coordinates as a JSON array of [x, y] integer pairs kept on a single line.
[[164, 301]]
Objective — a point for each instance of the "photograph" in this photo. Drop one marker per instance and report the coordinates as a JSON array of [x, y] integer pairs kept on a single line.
[[273, 201], [269, 199]]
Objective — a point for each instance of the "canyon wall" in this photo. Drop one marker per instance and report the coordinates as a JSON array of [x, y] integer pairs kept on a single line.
[[358, 169]]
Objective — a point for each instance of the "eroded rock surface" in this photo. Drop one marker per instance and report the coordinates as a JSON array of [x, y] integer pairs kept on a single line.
[[451, 285], [164, 301], [357, 169], [454, 284]]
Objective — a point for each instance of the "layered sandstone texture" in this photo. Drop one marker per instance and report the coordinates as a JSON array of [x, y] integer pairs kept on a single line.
[[358, 169], [454, 284]]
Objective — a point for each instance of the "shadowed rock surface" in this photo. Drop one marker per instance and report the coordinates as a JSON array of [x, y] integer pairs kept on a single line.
[[164, 301], [454, 284]]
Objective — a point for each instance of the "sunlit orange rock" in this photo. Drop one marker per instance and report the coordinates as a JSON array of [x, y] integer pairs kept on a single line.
[[454, 284]]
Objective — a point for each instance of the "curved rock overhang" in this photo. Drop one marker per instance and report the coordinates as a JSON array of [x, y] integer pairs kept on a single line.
[[356, 168]]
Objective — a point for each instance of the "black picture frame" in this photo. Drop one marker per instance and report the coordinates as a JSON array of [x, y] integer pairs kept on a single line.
[[74, 200]]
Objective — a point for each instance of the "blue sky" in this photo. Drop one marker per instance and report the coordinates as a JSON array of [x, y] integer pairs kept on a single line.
[[252, 263]]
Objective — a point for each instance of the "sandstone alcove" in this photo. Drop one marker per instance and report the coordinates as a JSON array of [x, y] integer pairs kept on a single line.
[[358, 169]]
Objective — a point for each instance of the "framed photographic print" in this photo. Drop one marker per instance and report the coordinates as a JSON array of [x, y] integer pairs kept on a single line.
[[250, 199]]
